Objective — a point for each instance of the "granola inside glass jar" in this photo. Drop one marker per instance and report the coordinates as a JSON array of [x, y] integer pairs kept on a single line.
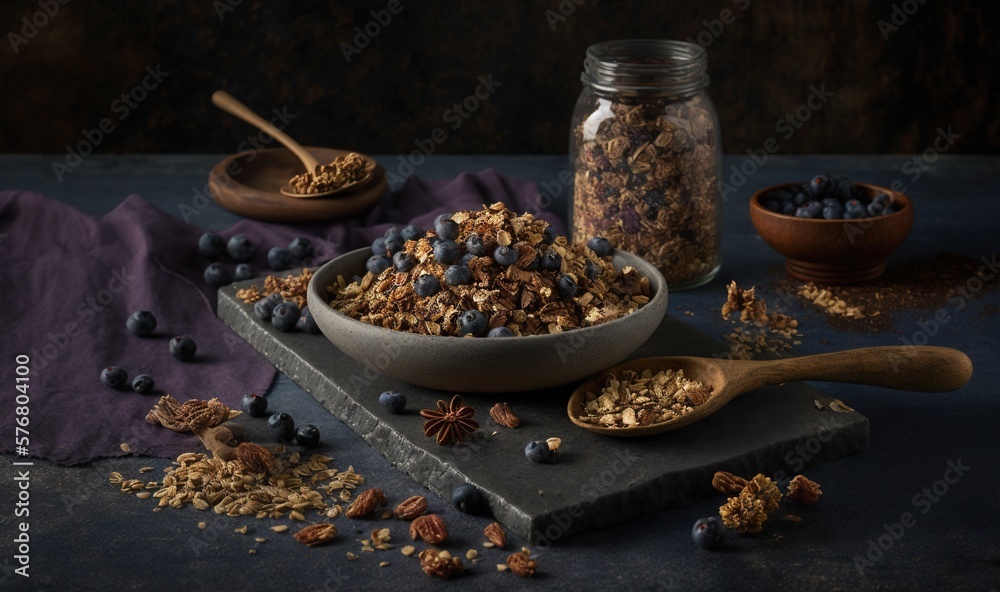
[[645, 151]]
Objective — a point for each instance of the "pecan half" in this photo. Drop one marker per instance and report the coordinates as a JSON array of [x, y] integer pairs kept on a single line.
[[728, 483], [494, 532], [430, 528], [366, 503], [502, 415], [803, 490], [522, 564], [317, 534], [255, 458], [411, 507], [440, 563]]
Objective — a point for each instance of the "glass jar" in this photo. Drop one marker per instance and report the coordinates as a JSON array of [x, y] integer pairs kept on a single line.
[[646, 155]]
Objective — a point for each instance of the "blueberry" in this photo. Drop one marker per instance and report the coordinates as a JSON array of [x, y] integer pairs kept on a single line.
[[279, 259], [471, 322], [265, 306], [506, 255], [392, 232], [534, 263], [441, 218], [285, 316], [475, 246], [141, 323], [394, 244], [306, 322], [241, 248], [426, 285], [143, 383], [592, 270], [254, 405], [707, 533], [216, 275], [411, 232], [378, 246], [835, 212], [307, 436], [467, 498], [457, 275], [821, 185], [282, 427], [800, 198], [392, 401], [855, 208], [567, 286], [551, 261], [548, 235], [843, 188], [773, 205], [244, 271], [600, 246], [403, 261], [831, 201], [377, 264], [183, 347], [301, 247], [803, 212], [447, 229], [466, 258], [788, 208], [538, 451], [500, 332], [114, 377], [875, 209], [447, 252], [211, 245]]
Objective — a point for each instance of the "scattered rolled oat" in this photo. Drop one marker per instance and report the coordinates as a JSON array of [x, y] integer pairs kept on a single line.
[[408, 550], [643, 399], [279, 527], [522, 297]]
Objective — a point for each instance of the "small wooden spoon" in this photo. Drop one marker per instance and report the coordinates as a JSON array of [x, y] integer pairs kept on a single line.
[[231, 105], [912, 368]]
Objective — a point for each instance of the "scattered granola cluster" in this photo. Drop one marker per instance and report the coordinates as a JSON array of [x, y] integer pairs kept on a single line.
[[753, 500], [829, 303], [645, 178], [761, 330], [344, 170], [291, 288], [635, 399], [573, 288]]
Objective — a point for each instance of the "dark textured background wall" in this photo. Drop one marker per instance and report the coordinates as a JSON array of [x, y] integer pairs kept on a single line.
[[938, 68]]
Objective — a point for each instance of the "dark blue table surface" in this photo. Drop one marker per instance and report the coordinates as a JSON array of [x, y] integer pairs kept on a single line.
[[85, 535]]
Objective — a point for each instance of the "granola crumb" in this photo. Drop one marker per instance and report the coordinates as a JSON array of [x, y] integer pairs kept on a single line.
[[640, 399]]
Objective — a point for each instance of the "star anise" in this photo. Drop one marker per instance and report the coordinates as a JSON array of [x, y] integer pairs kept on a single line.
[[452, 422]]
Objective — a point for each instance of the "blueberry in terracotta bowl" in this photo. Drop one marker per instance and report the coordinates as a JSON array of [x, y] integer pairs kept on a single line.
[[420, 324], [830, 229]]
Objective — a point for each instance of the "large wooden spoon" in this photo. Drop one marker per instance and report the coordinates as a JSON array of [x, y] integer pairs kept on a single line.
[[911, 368], [231, 105]]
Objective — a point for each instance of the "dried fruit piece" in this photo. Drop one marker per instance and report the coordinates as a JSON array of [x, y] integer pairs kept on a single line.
[[804, 490], [502, 415], [366, 503], [440, 563], [522, 564], [411, 507], [728, 483], [317, 534], [494, 532], [430, 528]]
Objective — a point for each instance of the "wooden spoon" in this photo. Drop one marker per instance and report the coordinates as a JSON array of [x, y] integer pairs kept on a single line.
[[229, 104], [912, 368]]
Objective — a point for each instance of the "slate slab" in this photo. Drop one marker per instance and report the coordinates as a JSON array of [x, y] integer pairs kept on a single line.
[[598, 480]]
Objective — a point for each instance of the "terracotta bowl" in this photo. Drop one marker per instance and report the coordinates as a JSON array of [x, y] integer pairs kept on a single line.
[[486, 365], [834, 251]]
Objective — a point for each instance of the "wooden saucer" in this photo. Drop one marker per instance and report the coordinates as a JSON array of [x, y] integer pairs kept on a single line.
[[249, 184]]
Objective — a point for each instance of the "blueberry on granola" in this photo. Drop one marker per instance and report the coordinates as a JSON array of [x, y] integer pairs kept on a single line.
[[143, 383], [183, 347], [441, 218], [466, 258], [447, 229], [506, 255], [403, 261], [301, 247], [426, 285], [457, 275], [282, 427], [592, 270], [471, 322], [475, 246], [244, 271], [307, 436], [211, 245], [394, 244], [241, 248], [378, 246], [265, 306], [377, 264], [392, 401], [216, 275], [548, 235], [141, 323], [447, 252], [114, 377], [600, 246], [500, 332], [254, 405], [551, 261], [285, 316], [411, 232], [567, 286]]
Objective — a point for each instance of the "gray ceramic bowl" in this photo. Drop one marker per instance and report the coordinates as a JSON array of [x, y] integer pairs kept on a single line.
[[486, 365]]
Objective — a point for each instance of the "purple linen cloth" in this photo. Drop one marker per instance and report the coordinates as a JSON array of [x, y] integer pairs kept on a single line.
[[70, 281]]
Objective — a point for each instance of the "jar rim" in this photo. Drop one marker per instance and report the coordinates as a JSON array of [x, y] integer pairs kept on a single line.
[[646, 65]]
